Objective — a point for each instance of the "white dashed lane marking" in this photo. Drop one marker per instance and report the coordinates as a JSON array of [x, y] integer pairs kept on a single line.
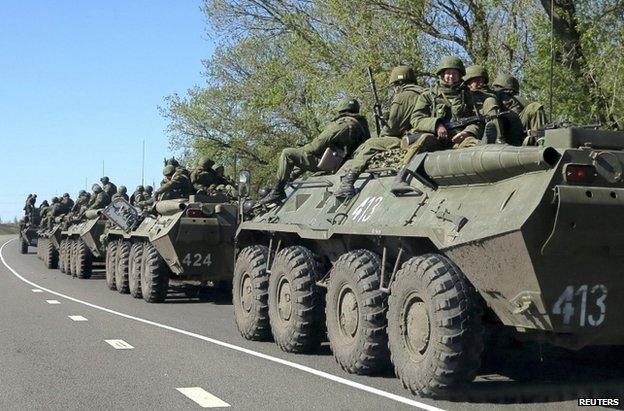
[[36, 290], [53, 301], [77, 318], [203, 398], [119, 344]]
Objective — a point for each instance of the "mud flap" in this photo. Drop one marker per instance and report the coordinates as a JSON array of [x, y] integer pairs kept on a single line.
[[588, 220]]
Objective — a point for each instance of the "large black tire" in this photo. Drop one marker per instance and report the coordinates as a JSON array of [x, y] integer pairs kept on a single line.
[[44, 249], [110, 264], [51, 256], [121, 272], [250, 295], [435, 326], [295, 301], [62, 252], [134, 270], [154, 275], [356, 314], [67, 256], [72, 257], [83, 260], [23, 245]]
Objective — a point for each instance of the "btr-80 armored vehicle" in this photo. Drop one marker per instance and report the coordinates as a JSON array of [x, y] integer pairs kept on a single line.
[[81, 245], [49, 242], [527, 238], [183, 242]]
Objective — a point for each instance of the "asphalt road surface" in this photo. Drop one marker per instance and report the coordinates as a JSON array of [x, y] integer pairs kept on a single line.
[[73, 344]]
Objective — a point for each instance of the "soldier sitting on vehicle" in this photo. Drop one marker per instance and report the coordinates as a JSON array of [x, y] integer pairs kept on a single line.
[[532, 115], [346, 132], [148, 192], [176, 184], [55, 210], [204, 178], [108, 186], [138, 195], [81, 204], [44, 207], [122, 192], [100, 198], [66, 203]]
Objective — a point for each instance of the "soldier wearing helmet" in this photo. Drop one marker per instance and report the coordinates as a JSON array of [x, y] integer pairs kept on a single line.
[[66, 203], [99, 198], [204, 176], [345, 132], [138, 195], [176, 184], [149, 190], [446, 100], [532, 115], [108, 186], [122, 192], [399, 122], [81, 201]]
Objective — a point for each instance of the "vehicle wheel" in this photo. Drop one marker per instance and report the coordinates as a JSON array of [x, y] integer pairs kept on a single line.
[[40, 243], [250, 294], [83, 260], [435, 326], [67, 258], [121, 272], [356, 313], [71, 248], [295, 307], [109, 264], [51, 256], [154, 275], [23, 246], [62, 252], [134, 270], [44, 248]]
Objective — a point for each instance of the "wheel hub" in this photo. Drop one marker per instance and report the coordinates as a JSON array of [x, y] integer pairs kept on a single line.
[[284, 299], [416, 326], [246, 293], [348, 312]]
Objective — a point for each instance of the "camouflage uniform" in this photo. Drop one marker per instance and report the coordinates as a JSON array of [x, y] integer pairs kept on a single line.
[[108, 187], [121, 193], [347, 131], [138, 195], [203, 177], [532, 115], [176, 184], [99, 198], [66, 203]]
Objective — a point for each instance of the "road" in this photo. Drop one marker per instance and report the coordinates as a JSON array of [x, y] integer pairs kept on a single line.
[[58, 350]]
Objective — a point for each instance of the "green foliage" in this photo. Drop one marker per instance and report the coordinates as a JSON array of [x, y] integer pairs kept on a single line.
[[281, 65]]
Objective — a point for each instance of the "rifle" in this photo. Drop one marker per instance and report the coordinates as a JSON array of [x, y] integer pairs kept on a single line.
[[379, 120]]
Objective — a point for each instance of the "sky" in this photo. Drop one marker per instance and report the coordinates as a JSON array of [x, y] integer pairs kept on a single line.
[[80, 84]]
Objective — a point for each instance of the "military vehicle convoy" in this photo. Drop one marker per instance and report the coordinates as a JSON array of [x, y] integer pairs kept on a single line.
[[527, 238], [183, 242]]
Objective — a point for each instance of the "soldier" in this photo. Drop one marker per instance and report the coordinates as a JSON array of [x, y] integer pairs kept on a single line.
[[346, 131], [532, 115], [100, 198], [28, 203], [204, 177], [447, 100], [121, 193], [138, 195], [44, 207], [399, 123], [55, 210], [66, 203], [81, 201], [176, 184], [108, 186], [148, 192]]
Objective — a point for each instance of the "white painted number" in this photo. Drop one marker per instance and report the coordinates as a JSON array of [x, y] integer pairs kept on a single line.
[[197, 260], [585, 300], [365, 210]]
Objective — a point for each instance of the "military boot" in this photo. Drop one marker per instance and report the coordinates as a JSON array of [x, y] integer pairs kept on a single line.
[[491, 134], [346, 189], [276, 194], [400, 186]]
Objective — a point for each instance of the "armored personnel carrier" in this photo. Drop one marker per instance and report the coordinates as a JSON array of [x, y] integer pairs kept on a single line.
[[183, 242], [49, 242], [526, 239], [80, 245]]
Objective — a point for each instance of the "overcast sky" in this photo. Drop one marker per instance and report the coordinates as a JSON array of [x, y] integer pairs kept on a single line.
[[80, 82]]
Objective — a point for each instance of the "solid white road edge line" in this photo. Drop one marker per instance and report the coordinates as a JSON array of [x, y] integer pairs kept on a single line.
[[203, 398], [300, 367]]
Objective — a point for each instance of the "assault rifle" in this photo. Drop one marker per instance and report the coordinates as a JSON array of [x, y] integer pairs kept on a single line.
[[380, 121]]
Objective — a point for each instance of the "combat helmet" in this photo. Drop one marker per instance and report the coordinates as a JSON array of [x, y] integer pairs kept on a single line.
[[506, 81], [402, 74], [55, 200], [172, 162], [205, 162], [476, 71], [149, 189], [82, 193], [66, 195], [451, 62], [169, 170], [348, 104], [122, 190], [140, 188], [96, 188], [105, 180]]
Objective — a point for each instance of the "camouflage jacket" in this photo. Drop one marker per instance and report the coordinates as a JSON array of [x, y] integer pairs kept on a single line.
[[445, 103], [110, 189], [120, 195], [345, 131], [402, 110], [101, 200], [179, 186]]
